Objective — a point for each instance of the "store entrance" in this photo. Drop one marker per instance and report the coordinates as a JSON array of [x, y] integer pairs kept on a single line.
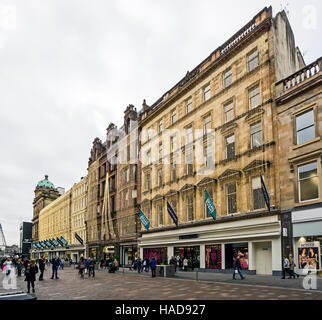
[[231, 252], [192, 254]]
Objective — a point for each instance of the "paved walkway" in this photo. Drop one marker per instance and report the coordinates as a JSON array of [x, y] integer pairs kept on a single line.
[[271, 281], [130, 286]]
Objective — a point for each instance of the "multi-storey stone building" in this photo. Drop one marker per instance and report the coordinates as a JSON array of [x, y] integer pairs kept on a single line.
[[45, 193], [64, 217], [299, 121], [214, 130], [78, 214], [92, 222], [115, 199]]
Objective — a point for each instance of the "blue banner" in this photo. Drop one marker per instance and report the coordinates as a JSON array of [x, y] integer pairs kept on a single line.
[[265, 194], [144, 220], [210, 205], [63, 241], [59, 242], [172, 214]]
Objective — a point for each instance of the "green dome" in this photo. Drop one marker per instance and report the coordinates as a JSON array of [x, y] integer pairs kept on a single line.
[[45, 183]]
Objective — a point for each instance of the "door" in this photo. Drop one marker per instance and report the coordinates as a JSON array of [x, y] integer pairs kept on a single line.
[[263, 258]]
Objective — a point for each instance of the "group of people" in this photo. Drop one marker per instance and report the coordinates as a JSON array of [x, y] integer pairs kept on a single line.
[[110, 263], [86, 265]]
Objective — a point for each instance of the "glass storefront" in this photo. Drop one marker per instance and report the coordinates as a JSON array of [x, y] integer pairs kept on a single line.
[[231, 252], [160, 254], [213, 257], [309, 253], [191, 253]]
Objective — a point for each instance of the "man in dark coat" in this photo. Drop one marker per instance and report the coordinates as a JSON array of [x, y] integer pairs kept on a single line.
[[41, 264], [153, 265], [56, 263], [238, 268], [30, 274]]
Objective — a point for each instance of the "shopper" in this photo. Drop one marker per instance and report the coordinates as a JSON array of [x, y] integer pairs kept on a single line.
[[62, 262], [91, 267], [185, 264], [55, 265], [173, 262], [102, 263], [153, 265], [41, 263], [147, 266], [139, 264], [19, 267], [30, 274], [286, 268], [292, 265], [237, 269], [81, 267], [8, 265]]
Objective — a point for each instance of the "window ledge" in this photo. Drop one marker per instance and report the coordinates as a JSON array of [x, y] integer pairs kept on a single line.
[[306, 143], [308, 202]]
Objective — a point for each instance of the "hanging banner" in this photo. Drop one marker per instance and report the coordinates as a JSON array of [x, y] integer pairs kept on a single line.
[[79, 239], [144, 220], [265, 194], [58, 240], [210, 205], [172, 214]]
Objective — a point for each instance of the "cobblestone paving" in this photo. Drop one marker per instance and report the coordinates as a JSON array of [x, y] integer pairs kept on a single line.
[[106, 286]]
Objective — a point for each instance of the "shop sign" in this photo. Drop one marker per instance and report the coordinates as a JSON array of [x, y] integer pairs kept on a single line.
[[188, 236]]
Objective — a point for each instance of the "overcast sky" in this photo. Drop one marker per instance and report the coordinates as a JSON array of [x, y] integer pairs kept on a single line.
[[69, 68]]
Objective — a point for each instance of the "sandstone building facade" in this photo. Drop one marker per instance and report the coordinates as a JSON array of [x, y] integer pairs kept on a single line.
[[299, 119], [215, 131]]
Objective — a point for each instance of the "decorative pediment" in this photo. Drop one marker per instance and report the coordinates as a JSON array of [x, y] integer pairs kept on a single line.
[[187, 187], [171, 193], [157, 197], [256, 164], [255, 114], [205, 181], [229, 173], [229, 127]]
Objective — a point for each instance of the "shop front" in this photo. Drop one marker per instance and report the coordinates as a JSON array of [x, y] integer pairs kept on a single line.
[[212, 246], [128, 253], [307, 239]]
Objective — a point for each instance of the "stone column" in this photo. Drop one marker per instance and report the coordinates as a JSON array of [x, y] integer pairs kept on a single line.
[[223, 265], [251, 256], [202, 256]]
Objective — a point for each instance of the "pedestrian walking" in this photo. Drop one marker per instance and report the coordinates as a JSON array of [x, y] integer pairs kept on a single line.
[[173, 262], [292, 265], [30, 275], [139, 264], [25, 263], [147, 266], [286, 268], [102, 263], [185, 264], [41, 263], [91, 267], [81, 267], [8, 266], [237, 269], [55, 265], [19, 267], [87, 264], [153, 265], [62, 262], [130, 264]]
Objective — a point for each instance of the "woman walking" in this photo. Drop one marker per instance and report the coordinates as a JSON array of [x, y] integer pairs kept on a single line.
[[19, 267], [81, 267], [30, 274]]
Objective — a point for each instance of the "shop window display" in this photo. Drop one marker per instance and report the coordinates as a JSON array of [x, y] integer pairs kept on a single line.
[[160, 254], [213, 257], [191, 253]]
